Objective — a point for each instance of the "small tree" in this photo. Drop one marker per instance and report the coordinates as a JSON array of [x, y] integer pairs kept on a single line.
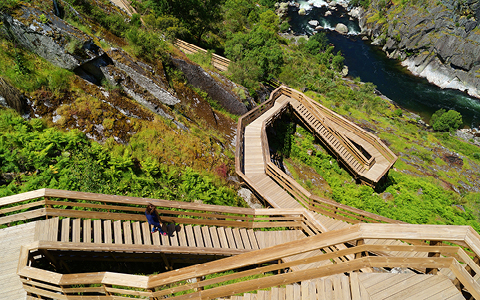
[[446, 121]]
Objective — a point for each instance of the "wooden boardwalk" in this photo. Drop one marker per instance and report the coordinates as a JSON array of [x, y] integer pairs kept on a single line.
[[361, 286], [107, 232], [11, 239]]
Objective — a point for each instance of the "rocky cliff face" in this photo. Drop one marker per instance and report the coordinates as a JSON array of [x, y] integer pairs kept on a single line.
[[123, 88], [439, 41]]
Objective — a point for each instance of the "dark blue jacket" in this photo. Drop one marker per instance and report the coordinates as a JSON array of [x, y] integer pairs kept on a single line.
[[152, 219]]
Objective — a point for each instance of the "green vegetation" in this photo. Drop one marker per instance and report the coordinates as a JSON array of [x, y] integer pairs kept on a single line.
[[39, 157], [446, 121], [418, 200], [29, 72]]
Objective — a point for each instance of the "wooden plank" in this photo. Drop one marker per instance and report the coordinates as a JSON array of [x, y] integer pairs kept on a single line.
[[127, 233], [354, 286], [137, 233], [296, 291], [214, 236], [39, 231], [274, 293], [389, 281], [320, 283], [117, 229], [328, 288], [206, 237], [289, 293], [76, 230], [172, 233], [182, 237], [146, 234], [245, 239], [238, 238], [53, 224], [107, 232], [401, 285], [222, 237], [304, 285], [423, 290], [97, 231], [345, 283], [65, 233], [198, 236], [312, 290], [190, 236], [230, 238], [253, 239], [155, 238], [87, 231]]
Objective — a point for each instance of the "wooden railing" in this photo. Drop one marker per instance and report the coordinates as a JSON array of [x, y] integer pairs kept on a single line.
[[234, 275], [46, 203], [321, 205], [372, 139], [219, 62], [357, 155]]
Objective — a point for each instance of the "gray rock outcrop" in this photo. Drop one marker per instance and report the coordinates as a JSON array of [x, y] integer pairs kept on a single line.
[[215, 87], [49, 37], [438, 42]]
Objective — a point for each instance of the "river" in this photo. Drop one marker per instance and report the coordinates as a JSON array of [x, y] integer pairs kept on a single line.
[[370, 63]]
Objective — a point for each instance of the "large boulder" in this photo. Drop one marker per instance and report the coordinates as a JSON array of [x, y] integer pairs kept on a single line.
[[49, 37], [341, 28]]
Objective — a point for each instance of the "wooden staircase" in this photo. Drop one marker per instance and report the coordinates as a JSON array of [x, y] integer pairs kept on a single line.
[[327, 135]]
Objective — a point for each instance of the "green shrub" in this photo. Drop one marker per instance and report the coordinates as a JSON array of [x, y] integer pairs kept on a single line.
[[8, 5], [284, 26], [43, 19], [446, 121]]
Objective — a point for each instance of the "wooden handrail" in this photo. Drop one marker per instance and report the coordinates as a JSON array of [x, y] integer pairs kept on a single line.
[[70, 204], [375, 141], [41, 282]]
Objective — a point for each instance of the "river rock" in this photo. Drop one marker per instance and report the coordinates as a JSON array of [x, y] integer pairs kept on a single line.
[[318, 28], [302, 12], [49, 37], [328, 13], [281, 9], [341, 28], [313, 23]]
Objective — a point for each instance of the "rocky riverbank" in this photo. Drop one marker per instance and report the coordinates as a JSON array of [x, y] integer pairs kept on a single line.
[[439, 41]]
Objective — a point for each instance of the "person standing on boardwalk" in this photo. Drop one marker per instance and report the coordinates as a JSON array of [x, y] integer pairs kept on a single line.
[[154, 219]]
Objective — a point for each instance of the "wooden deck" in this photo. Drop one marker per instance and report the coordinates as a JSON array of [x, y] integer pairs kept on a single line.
[[11, 239], [106, 232], [361, 286]]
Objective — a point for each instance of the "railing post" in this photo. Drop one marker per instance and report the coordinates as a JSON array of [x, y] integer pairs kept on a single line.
[[433, 254], [198, 288], [360, 254], [46, 206]]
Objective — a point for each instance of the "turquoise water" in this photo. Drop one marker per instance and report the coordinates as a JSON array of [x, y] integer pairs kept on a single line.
[[371, 64]]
